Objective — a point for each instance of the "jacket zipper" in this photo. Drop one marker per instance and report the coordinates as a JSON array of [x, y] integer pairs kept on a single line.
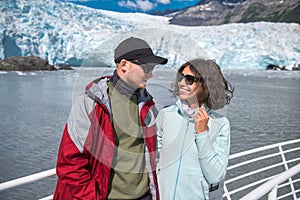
[[180, 160], [202, 187]]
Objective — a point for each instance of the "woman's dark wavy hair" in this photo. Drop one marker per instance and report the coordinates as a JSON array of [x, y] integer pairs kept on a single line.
[[229, 89]]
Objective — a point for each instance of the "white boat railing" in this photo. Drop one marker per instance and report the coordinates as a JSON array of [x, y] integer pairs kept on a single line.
[[272, 165], [277, 177], [272, 185], [27, 179]]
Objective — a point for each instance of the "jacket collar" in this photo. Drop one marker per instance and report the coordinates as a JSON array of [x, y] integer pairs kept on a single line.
[[98, 91], [182, 113]]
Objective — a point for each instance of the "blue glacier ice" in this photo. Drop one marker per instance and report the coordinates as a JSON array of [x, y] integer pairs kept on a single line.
[[67, 33]]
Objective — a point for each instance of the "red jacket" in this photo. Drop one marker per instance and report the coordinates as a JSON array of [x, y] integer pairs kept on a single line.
[[87, 146]]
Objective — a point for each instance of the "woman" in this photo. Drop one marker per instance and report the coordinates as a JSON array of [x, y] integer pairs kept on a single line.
[[193, 140]]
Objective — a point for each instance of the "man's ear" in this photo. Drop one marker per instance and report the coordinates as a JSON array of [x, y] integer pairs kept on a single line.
[[124, 65]]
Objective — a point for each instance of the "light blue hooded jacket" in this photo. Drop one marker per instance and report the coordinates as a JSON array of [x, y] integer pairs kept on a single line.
[[189, 162]]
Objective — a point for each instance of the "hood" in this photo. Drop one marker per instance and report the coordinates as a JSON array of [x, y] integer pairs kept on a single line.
[[97, 90]]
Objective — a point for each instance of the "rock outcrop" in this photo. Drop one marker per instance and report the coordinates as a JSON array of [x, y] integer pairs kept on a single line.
[[25, 63]]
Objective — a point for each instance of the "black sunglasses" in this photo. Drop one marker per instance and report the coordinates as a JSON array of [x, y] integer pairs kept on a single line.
[[146, 67], [189, 79]]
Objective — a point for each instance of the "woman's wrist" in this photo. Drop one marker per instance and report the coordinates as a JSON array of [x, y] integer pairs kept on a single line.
[[201, 131]]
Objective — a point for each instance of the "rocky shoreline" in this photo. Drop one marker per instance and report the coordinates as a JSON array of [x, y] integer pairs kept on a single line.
[[28, 63], [296, 67], [34, 63]]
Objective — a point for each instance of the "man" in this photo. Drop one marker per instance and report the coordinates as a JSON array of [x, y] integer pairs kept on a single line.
[[108, 145]]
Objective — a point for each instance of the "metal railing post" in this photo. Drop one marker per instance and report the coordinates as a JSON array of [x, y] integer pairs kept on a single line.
[[273, 194]]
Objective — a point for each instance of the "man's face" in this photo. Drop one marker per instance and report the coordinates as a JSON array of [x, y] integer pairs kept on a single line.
[[136, 77]]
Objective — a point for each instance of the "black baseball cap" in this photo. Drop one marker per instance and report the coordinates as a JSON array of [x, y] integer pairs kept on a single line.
[[137, 49]]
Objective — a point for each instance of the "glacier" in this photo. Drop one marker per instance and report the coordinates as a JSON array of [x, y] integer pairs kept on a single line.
[[66, 33]]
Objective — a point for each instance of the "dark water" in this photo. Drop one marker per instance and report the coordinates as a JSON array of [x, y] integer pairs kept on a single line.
[[34, 108]]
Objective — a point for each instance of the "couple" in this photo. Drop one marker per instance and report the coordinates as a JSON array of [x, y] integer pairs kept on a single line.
[[116, 146]]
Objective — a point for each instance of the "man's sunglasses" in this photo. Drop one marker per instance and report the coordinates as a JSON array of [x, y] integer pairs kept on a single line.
[[189, 79], [146, 67]]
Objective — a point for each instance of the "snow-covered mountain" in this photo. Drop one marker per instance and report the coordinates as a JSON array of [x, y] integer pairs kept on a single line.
[[71, 34], [217, 12]]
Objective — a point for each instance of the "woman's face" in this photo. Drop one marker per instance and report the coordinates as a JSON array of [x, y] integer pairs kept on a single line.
[[189, 93]]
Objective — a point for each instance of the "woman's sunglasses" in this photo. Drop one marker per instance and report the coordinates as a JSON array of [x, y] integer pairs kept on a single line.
[[189, 79]]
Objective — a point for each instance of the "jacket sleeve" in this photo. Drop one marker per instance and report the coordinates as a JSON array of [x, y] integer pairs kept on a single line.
[[213, 152], [74, 178]]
